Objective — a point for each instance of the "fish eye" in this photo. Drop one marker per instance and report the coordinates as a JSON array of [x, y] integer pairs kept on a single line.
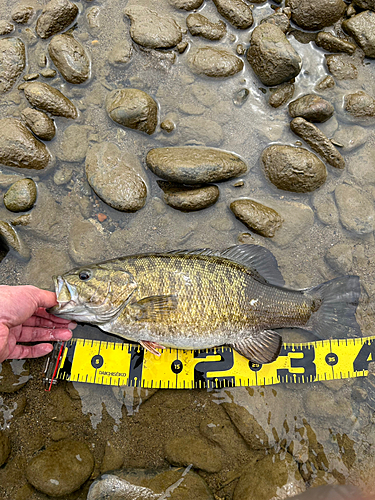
[[84, 275]]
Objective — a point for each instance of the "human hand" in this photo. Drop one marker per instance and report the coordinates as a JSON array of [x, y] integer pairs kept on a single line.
[[23, 318]]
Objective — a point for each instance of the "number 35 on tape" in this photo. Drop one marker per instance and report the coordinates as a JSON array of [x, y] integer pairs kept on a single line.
[[112, 363]]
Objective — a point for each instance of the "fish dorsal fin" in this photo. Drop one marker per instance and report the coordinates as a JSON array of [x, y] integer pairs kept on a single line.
[[196, 251], [154, 307], [257, 258], [262, 348]]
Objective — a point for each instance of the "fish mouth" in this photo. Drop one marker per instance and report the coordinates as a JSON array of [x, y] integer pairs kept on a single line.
[[66, 296]]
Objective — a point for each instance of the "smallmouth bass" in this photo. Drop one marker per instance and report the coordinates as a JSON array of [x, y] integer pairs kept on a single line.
[[202, 298]]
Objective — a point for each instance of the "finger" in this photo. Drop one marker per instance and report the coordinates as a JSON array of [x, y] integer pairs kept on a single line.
[[36, 334], [27, 351], [44, 298], [49, 323], [41, 312]]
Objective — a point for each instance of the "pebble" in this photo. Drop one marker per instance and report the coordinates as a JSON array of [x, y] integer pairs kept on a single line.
[[293, 169], [271, 55], [12, 62], [332, 43], [62, 176], [312, 108], [86, 243], [186, 4], [325, 208], [237, 12], [114, 179], [133, 108], [340, 258], [39, 123], [30, 76], [200, 131], [356, 212], [70, 58], [121, 53], [21, 196], [280, 18], [341, 66], [188, 199], [257, 217], [240, 97], [12, 241], [6, 27], [7, 180], [22, 14], [327, 83], [48, 73], [317, 141], [47, 98], [152, 30], [14, 374], [362, 28], [73, 144], [56, 16], [364, 4], [19, 148], [198, 451], [201, 26], [316, 15], [361, 106], [281, 94], [214, 62], [167, 125], [4, 448], [350, 138], [194, 165], [61, 468]]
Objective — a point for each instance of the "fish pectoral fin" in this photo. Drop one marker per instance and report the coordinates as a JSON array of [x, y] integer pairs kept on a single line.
[[264, 348], [151, 346], [154, 307]]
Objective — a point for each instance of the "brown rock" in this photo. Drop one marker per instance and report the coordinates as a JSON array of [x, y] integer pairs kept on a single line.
[[341, 66], [312, 108], [360, 104], [201, 26], [12, 62], [55, 17], [188, 199], [70, 58], [214, 62], [39, 123], [257, 217], [237, 12], [317, 14], [281, 94], [332, 43], [43, 96]]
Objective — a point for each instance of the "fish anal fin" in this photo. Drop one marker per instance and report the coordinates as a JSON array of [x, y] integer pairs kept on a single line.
[[264, 348], [154, 307], [151, 346]]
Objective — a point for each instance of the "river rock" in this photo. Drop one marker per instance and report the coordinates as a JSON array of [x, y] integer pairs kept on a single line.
[[86, 243], [281, 95], [152, 30], [43, 96], [271, 56], [362, 28], [274, 477], [12, 62], [61, 468], [194, 165], [341, 66], [316, 15], [39, 123], [4, 448], [312, 108], [199, 131], [55, 17], [350, 138], [189, 449], [356, 211], [237, 12], [214, 62], [19, 148], [332, 43], [201, 26], [186, 4], [14, 374], [361, 106], [133, 108], [279, 18], [21, 196], [22, 14], [70, 58], [257, 217], [114, 180], [325, 208], [188, 199], [6, 27], [113, 458], [12, 241], [121, 53], [327, 83], [317, 141], [74, 144], [340, 258]]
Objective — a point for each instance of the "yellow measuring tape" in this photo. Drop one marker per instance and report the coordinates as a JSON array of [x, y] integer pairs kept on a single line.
[[111, 363]]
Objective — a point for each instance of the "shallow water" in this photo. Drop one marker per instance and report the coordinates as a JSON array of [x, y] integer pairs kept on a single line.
[[329, 428]]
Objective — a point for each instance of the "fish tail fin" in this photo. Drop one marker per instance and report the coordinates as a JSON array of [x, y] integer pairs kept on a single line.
[[336, 304]]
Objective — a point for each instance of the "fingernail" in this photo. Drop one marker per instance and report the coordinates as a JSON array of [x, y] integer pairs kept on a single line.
[[72, 325], [46, 348], [67, 335]]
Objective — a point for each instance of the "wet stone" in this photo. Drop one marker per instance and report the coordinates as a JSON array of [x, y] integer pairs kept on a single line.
[[194, 165], [316, 15], [48, 73], [237, 12], [22, 14], [62, 176], [6, 27], [364, 4], [257, 217], [39, 123], [350, 138], [325, 209], [74, 144], [12, 62], [168, 125], [356, 212], [271, 56], [121, 53], [362, 28], [332, 43], [181, 47], [200, 131], [214, 62], [312, 108], [10, 238], [189, 449], [61, 469], [30, 76], [70, 58], [4, 448], [281, 95], [13, 375], [317, 141], [86, 243], [240, 97], [280, 18], [56, 16], [47, 98], [341, 67], [327, 83], [201, 26], [114, 179], [133, 108], [113, 458], [188, 199], [19, 148], [186, 4], [21, 196], [340, 258], [293, 169], [152, 30], [360, 105]]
